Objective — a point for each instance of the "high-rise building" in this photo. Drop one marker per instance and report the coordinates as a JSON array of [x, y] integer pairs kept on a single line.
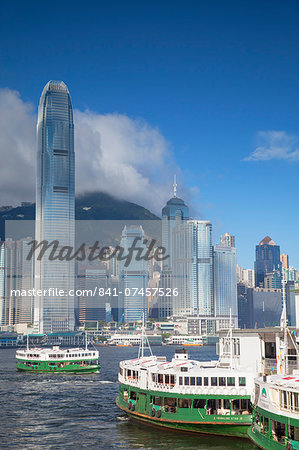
[[174, 210], [193, 268], [284, 259], [133, 279], [227, 240], [55, 207], [225, 281], [16, 280], [267, 260], [173, 213]]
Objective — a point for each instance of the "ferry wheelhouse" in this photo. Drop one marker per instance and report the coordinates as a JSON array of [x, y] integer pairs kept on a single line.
[[276, 412]]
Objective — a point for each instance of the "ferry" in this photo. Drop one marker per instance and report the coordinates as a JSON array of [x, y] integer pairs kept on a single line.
[[57, 360], [192, 343], [275, 400], [188, 395], [276, 412]]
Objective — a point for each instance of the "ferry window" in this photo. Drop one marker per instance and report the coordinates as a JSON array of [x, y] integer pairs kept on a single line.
[[213, 381], [270, 350], [172, 379], [236, 406], [185, 403], [157, 401], [199, 403], [184, 369], [279, 431], [166, 379], [160, 378], [222, 381], [206, 381], [187, 381], [129, 372], [242, 381], [231, 381], [284, 399], [244, 404], [226, 403], [133, 395], [180, 381], [266, 424], [120, 371], [192, 381], [198, 381], [295, 394], [170, 401]]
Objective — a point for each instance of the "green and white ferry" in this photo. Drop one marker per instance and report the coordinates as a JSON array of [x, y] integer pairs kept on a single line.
[[276, 412], [275, 400], [187, 395], [57, 360]]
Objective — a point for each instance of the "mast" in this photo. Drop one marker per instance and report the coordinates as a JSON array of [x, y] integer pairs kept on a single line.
[[284, 327], [231, 337], [174, 186], [86, 344], [143, 339]]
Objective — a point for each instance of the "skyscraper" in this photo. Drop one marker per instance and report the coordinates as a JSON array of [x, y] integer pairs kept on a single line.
[[267, 260], [284, 259], [225, 281], [193, 268], [55, 206], [133, 279], [227, 240], [174, 210]]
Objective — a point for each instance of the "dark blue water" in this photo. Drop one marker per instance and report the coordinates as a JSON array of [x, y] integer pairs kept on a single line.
[[78, 411]]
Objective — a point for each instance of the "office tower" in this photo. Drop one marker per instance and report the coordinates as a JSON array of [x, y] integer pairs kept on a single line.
[[93, 278], [16, 280], [225, 281], [193, 268], [133, 279], [2, 283], [284, 259], [248, 277], [245, 306], [227, 240], [55, 207], [175, 210], [267, 260]]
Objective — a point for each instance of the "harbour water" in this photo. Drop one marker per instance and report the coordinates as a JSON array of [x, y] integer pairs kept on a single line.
[[78, 411]]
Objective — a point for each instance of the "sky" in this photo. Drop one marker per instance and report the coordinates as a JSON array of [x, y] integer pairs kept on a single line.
[[204, 89]]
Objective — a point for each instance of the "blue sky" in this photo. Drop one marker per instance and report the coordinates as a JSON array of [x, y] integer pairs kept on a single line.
[[218, 82]]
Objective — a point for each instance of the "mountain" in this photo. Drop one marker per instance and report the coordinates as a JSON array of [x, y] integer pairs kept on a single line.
[[89, 206]]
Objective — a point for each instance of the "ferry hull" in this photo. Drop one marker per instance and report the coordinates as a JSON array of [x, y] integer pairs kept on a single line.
[[43, 367], [264, 442], [233, 426], [222, 429]]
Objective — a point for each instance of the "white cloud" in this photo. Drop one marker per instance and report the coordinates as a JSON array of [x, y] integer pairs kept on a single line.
[[125, 157], [275, 145]]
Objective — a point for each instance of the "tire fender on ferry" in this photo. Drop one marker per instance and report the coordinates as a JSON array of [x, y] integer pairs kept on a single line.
[[289, 446], [158, 413], [233, 391], [133, 407], [242, 391], [130, 406], [211, 391], [153, 412]]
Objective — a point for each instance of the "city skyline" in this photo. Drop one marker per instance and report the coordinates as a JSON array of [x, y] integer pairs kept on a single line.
[[208, 101]]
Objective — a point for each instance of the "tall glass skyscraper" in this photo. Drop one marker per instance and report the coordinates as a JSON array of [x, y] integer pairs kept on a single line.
[[267, 260], [225, 280], [133, 279], [193, 268], [55, 206]]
